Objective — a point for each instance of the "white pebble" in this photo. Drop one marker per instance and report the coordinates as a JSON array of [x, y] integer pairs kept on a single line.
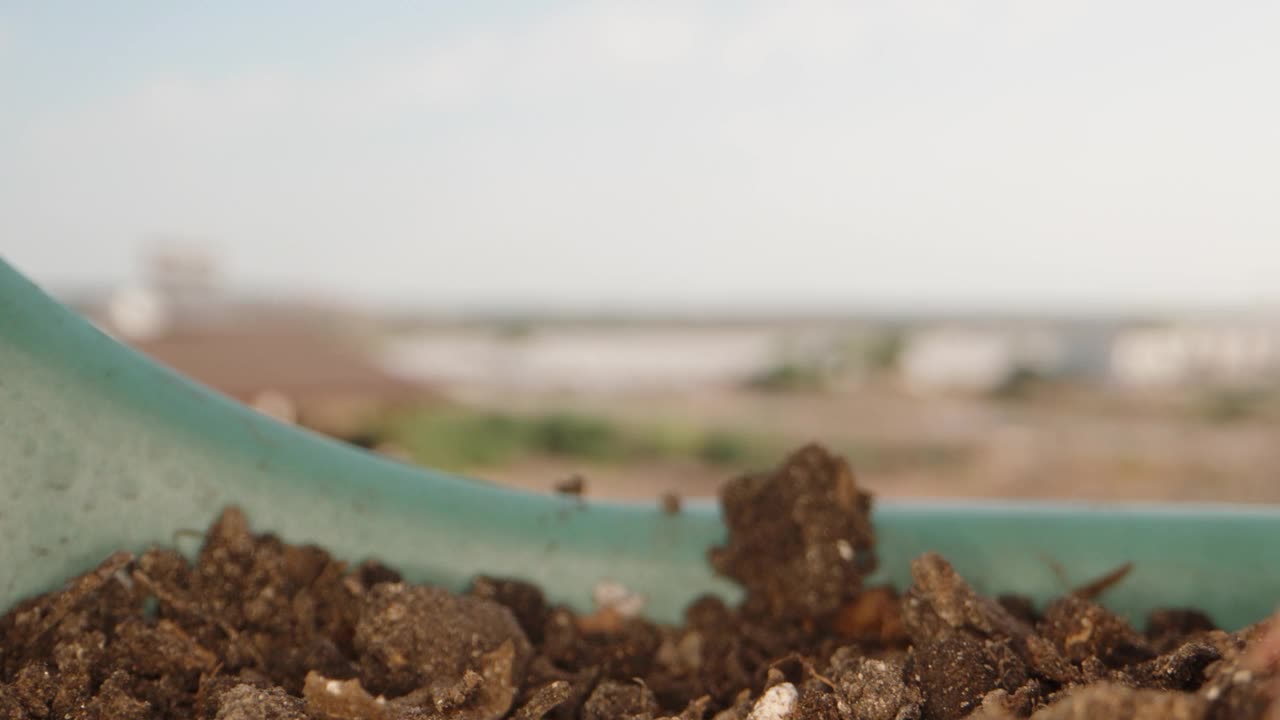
[[776, 703], [619, 598], [845, 549]]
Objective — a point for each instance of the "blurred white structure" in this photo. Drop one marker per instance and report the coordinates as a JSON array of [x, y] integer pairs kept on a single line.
[[1229, 353], [975, 359], [599, 358], [182, 268], [179, 284], [136, 313]]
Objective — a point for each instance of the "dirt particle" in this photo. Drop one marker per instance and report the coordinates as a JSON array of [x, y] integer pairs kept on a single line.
[[525, 601], [575, 485], [613, 700], [1182, 669], [940, 603], [247, 702], [1169, 628], [411, 637], [872, 618], [1020, 607], [1105, 700], [1081, 629], [544, 699], [800, 538], [955, 673], [873, 689], [670, 503]]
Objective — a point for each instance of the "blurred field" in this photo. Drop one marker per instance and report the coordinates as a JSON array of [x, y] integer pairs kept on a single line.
[[640, 410], [1058, 444]]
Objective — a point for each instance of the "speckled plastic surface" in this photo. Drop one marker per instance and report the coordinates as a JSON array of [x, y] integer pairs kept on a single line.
[[100, 449]]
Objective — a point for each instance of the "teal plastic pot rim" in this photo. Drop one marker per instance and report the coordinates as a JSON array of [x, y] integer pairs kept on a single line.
[[1031, 507]]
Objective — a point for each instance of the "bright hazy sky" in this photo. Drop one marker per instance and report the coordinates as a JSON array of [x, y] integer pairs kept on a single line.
[[1064, 153]]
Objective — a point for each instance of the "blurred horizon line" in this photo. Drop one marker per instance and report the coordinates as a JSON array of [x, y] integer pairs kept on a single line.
[[761, 307]]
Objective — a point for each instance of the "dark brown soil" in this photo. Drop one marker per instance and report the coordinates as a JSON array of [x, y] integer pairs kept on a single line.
[[256, 628]]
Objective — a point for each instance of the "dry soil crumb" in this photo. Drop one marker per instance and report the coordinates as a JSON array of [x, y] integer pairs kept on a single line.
[[800, 537], [414, 637], [612, 700], [1104, 700], [1081, 629], [871, 689]]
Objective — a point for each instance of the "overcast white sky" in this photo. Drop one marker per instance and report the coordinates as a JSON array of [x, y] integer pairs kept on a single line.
[[1018, 154]]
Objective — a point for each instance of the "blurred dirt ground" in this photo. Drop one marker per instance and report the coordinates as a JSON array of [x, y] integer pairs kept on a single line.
[[1072, 447]]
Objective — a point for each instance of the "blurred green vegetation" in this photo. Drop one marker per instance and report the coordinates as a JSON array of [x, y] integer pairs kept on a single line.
[[453, 438], [1020, 384], [882, 353], [858, 355], [460, 439], [1228, 405], [790, 376]]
